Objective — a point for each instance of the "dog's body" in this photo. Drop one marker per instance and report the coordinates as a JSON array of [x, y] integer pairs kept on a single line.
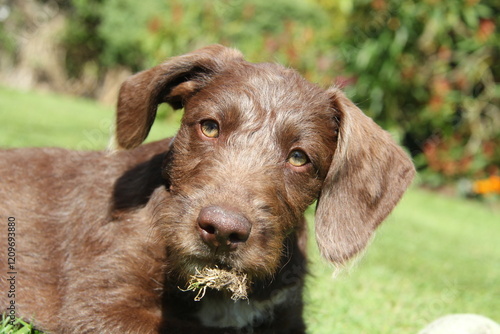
[[105, 240]]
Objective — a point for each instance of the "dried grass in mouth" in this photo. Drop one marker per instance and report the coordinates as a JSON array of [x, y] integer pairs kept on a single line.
[[219, 279]]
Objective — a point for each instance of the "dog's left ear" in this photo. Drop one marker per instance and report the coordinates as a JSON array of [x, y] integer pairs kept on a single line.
[[367, 177], [172, 82]]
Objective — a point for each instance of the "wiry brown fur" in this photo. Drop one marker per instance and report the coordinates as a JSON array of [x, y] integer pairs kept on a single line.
[[106, 238]]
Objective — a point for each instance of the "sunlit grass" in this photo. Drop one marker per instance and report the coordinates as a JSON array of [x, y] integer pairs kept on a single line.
[[433, 256], [45, 119]]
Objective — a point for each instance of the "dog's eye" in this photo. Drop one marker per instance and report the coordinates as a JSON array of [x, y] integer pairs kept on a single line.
[[210, 128], [298, 158]]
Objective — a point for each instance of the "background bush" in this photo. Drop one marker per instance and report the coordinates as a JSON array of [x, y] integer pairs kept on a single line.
[[140, 34], [426, 70], [429, 71]]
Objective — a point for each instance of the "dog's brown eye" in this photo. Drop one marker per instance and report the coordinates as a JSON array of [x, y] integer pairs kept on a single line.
[[297, 158], [210, 128]]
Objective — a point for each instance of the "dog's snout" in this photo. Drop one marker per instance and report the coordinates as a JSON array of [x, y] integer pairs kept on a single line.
[[223, 228]]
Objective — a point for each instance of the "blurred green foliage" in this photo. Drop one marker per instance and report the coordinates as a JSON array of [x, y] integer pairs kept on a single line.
[[428, 71], [141, 34], [6, 43]]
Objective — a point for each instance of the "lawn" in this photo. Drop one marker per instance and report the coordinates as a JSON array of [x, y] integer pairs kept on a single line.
[[433, 256], [43, 119]]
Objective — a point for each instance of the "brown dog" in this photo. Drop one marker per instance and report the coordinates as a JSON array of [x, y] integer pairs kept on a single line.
[[102, 242]]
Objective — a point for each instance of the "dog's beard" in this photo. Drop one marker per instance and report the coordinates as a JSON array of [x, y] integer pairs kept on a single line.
[[229, 281]]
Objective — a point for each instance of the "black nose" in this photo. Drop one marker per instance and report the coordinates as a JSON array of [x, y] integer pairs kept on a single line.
[[223, 228]]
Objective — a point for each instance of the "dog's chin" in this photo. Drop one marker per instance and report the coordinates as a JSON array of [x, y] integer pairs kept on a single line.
[[193, 265], [215, 277], [188, 262]]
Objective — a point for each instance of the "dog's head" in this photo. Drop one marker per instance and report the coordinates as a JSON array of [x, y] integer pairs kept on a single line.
[[257, 145]]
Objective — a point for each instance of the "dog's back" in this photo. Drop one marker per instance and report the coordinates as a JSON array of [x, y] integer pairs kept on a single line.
[[65, 210]]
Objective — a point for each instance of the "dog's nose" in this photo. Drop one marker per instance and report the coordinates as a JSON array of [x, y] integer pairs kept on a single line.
[[223, 228]]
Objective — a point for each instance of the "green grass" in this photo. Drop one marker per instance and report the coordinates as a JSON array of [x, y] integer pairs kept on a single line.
[[43, 119], [18, 327], [433, 256]]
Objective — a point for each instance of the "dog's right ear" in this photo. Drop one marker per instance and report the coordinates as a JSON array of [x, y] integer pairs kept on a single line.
[[172, 82]]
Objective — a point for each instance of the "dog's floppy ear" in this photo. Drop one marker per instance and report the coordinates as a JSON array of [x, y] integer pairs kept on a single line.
[[367, 177], [172, 82]]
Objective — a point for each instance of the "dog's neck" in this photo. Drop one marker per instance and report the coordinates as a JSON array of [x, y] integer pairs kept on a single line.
[[251, 313], [268, 300]]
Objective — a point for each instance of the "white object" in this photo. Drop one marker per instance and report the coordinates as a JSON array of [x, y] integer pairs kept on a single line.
[[462, 324]]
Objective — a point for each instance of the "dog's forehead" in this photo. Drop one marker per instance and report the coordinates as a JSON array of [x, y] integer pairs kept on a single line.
[[275, 87], [269, 92]]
